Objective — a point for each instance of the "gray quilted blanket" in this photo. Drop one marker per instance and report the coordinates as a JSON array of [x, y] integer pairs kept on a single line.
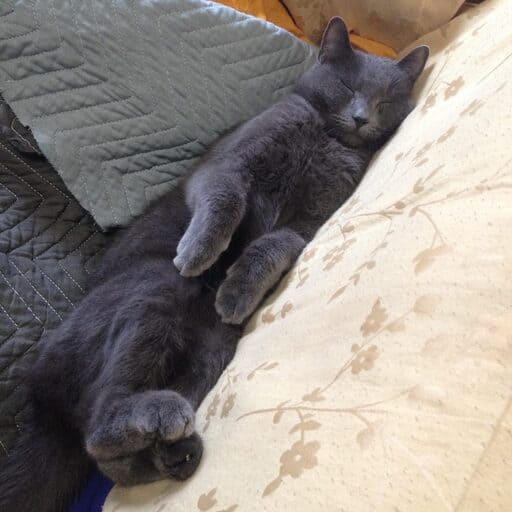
[[47, 244], [124, 95]]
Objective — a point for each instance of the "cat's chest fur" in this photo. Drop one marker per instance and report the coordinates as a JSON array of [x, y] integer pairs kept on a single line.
[[296, 168]]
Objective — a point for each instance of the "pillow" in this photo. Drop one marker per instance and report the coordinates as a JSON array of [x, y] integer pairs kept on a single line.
[[378, 376], [395, 23], [276, 12]]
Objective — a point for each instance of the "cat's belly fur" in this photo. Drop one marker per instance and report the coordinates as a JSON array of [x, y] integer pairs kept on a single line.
[[138, 286], [307, 189]]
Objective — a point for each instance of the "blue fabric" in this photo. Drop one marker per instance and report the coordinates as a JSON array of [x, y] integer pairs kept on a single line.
[[94, 494]]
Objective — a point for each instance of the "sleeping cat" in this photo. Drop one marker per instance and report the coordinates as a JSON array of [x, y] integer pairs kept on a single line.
[[117, 384]]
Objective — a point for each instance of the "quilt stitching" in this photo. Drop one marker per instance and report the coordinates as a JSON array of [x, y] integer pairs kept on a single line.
[[70, 235], [203, 26], [21, 274], [83, 116]]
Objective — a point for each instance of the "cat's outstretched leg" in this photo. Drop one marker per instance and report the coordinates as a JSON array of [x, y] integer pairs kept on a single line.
[[256, 271], [141, 437], [217, 198]]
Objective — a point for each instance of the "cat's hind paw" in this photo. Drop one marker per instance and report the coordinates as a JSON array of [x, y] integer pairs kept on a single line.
[[235, 301], [178, 460], [163, 415]]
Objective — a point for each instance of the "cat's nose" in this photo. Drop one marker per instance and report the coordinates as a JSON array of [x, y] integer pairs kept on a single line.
[[360, 120]]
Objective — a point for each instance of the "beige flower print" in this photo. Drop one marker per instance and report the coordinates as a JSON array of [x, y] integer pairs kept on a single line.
[[211, 411], [230, 378], [429, 102], [453, 87], [299, 457], [365, 359], [416, 203], [208, 500], [228, 405], [375, 319], [424, 259], [336, 254], [268, 316], [302, 455], [473, 108], [446, 135], [426, 304], [263, 367]]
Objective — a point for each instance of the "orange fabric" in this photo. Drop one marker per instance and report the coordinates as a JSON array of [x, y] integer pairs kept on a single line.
[[275, 12], [370, 46], [269, 10]]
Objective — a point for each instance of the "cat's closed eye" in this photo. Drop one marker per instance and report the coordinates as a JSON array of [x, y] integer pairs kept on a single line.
[[383, 106], [348, 87]]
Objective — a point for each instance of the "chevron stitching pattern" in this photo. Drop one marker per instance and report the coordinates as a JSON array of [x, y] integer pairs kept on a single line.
[[124, 97], [47, 243]]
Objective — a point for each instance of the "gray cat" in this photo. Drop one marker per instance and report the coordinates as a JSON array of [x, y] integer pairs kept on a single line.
[[116, 385], [279, 177]]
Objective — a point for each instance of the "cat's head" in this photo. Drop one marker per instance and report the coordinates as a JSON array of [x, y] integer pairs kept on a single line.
[[363, 98]]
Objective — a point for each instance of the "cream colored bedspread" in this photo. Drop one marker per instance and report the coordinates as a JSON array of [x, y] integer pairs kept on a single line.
[[379, 376]]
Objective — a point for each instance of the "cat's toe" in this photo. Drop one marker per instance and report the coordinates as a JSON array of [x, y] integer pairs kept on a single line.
[[194, 259], [178, 262], [232, 305], [177, 421], [188, 262], [197, 251], [225, 305], [166, 416], [179, 460]]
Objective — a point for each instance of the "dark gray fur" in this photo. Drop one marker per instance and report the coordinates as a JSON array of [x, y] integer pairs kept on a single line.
[[290, 168], [117, 384]]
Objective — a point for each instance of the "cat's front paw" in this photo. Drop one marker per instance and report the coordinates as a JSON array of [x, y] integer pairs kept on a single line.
[[235, 300], [192, 258], [196, 253], [178, 460], [164, 416]]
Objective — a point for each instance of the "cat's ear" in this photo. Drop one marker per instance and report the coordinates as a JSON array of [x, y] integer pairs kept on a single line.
[[335, 41], [414, 62]]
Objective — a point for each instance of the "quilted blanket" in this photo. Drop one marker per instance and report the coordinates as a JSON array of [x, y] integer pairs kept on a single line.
[[47, 244], [124, 96]]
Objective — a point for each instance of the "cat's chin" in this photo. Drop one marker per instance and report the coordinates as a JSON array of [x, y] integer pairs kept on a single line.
[[352, 140], [356, 141]]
